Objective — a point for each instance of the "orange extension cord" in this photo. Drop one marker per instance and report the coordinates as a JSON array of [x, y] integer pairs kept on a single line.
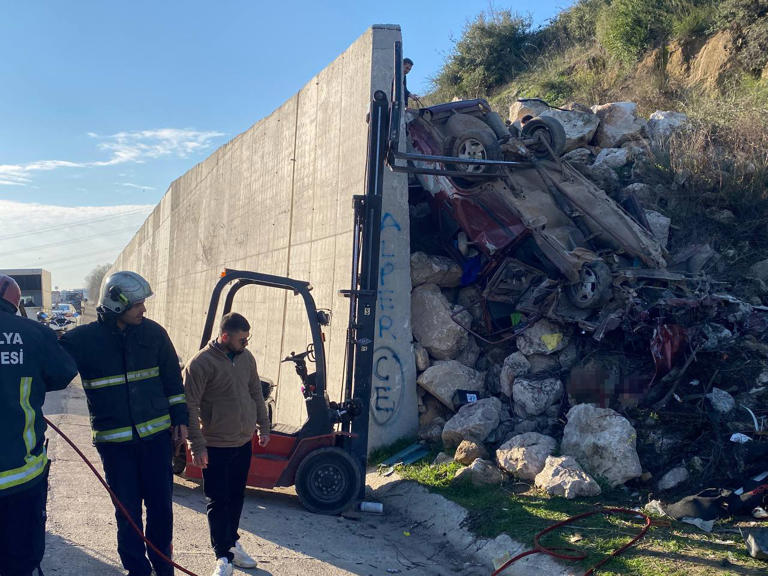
[[558, 552], [115, 500]]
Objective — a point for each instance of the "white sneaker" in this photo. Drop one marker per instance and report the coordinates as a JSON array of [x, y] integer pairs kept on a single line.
[[242, 559], [223, 568]]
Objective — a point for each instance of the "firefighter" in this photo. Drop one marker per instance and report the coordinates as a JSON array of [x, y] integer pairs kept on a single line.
[[132, 380], [31, 364]]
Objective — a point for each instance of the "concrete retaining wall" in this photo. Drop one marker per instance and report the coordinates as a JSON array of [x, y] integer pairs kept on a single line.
[[278, 199]]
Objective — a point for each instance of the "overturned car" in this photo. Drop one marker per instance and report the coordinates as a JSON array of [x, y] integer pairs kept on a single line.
[[535, 235]]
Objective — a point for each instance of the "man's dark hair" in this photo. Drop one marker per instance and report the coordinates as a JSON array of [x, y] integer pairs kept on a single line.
[[407, 61], [234, 322]]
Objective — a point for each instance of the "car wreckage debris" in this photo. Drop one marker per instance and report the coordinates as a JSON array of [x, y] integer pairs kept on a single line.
[[554, 279]]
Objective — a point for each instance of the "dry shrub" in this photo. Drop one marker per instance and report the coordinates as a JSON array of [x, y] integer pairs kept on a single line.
[[721, 160]]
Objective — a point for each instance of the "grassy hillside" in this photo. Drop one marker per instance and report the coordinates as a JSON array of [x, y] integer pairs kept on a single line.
[[707, 58]]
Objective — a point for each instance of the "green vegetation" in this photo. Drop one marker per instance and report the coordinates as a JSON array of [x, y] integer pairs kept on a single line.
[[493, 47], [646, 51], [521, 512], [747, 20]]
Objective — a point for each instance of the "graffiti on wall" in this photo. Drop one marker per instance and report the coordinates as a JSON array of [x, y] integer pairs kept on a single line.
[[388, 375]]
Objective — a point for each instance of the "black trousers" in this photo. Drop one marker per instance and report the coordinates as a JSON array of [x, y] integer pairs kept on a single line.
[[22, 529], [141, 472], [224, 487]]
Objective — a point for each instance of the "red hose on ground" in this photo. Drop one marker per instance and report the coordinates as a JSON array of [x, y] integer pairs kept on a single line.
[[115, 500], [538, 548]]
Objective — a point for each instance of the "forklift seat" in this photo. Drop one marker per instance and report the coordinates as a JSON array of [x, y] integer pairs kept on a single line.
[[285, 429]]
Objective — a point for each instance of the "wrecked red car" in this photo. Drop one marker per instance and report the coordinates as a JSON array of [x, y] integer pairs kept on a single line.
[[537, 235]]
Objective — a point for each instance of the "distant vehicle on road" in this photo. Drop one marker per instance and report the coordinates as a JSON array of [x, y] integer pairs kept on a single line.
[[64, 309]]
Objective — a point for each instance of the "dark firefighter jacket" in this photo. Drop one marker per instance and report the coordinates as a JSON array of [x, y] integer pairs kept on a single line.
[[131, 379], [31, 363]]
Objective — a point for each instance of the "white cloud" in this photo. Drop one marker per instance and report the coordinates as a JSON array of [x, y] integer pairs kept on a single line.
[[136, 186], [141, 145], [123, 147], [67, 240]]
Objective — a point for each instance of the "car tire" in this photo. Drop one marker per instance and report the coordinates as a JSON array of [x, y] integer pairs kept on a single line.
[[551, 130], [469, 137], [594, 288], [179, 463], [327, 480]]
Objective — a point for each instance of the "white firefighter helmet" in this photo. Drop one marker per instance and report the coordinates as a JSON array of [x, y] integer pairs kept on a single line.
[[122, 290]]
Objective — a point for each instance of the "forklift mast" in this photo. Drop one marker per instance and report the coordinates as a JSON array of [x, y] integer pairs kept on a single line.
[[365, 282]]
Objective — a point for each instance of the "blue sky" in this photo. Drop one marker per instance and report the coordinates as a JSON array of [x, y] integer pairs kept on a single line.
[[103, 104]]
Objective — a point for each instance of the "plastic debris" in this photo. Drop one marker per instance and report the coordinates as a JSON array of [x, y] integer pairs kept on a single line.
[[740, 438], [705, 525]]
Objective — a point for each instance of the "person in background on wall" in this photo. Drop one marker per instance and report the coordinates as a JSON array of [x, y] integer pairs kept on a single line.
[[226, 406], [132, 380], [31, 364], [407, 65]]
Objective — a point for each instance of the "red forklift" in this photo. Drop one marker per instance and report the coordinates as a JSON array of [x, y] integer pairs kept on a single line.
[[325, 458]]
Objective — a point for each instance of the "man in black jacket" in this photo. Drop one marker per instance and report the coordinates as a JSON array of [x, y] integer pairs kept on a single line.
[[132, 380], [31, 364]]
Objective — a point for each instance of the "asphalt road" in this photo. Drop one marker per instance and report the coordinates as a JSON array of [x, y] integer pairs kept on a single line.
[[275, 529]]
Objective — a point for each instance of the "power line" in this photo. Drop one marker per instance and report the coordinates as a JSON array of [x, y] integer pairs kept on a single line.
[[69, 241], [47, 263], [71, 224]]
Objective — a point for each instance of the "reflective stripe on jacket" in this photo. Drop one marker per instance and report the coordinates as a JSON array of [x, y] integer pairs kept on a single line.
[[31, 363], [131, 379]]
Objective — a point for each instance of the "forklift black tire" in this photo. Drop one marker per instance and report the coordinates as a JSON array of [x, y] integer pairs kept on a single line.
[[327, 480], [179, 463], [551, 130], [470, 138]]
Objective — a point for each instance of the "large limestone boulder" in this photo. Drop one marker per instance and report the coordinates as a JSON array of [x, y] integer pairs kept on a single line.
[[515, 365], [432, 432], [484, 472], [644, 193], [421, 357], [614, 158], [468, 451], [471, 352], [580, 157], [544, 337], [444, 377], [544, 364], [603, 442], [660, 226], [472, 422], [430, 408], [533, 397], [673, 478], [619, 123], [524, 455], [429, 269], [580, 126], [662, 124], [432, 324], [562, 476]]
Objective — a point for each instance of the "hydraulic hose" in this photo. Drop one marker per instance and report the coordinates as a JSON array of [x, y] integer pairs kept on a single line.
[[575, 555], [115, 499]]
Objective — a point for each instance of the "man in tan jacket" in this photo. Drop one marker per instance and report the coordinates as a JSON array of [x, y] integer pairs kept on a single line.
[[225, 405]]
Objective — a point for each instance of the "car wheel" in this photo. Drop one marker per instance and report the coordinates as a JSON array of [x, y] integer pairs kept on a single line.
[[179, 463], [549, 129], [470, 138], [327, 480], [594, 286]]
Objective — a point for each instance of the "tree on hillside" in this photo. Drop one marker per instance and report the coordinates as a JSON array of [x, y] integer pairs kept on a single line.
[[93, 281], [492, 50]]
